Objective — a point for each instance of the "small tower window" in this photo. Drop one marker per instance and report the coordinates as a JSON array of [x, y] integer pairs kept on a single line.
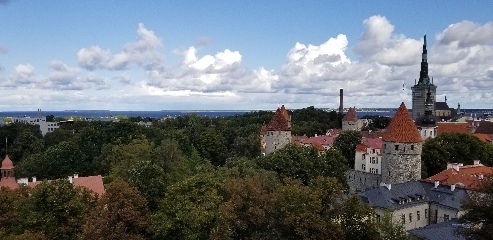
[[396, 147], [412, 147]]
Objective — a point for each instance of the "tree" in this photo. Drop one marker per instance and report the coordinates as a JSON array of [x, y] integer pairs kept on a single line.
[[346, 142], [190, 208], [56, 209], [121, 213], [212, 146], [333, 164], [25, 144], [477, 222], [390, 230], [149, 179], [293, 161], [10, 202], [456, 148]]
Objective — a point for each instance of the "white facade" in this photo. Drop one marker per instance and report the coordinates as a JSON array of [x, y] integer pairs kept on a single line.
[[44, 126], [368, 161], [427, 132]]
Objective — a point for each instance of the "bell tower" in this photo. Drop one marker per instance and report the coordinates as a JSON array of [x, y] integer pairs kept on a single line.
[[423, 86]]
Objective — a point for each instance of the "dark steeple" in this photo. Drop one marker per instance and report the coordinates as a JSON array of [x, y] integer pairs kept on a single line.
[[424, 79], [428, 119]]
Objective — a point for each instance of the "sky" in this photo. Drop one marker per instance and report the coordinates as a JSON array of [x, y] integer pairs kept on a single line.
[[240, 55]]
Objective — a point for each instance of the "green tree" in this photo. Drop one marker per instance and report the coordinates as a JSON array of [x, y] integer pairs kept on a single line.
[[10, 202], [121, 213], [346, 142], [212, 146], [25, 144], [57, 209], [333, 164], [456, 148], [190, 208], [477, 222], [150, 180], [122, 157], [390, 230]]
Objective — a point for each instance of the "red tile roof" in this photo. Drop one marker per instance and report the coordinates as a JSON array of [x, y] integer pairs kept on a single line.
[[94, 183], [372, 142], [372, 134], [280, 121], [402, 128], [8, 182], [351, 115], [7, 163], [487, 138], [452, 127], [469, 177]]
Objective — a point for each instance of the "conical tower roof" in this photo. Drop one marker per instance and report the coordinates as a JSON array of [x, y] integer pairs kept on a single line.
[[351, 115], [280, 121], [7, 163], [402, 128]]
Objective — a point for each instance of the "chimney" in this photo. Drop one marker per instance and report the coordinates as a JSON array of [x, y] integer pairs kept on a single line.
[[481, 176], [437, 183], [70, 179], [476, 162], [388, 186], [76, 175], [34, 179], [341, 101], [452, 187]]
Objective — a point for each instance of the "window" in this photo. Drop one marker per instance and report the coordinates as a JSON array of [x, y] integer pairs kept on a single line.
[[403, 217], [410, 217], [412, 147], [418, 216], [378, 218], [445, 217], [363, 166], [373, 150], [376, 160], [426, 213], [376, 170], [396, 147]]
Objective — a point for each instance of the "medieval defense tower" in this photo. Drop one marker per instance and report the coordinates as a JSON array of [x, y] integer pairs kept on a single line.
[[278, 132], [421, 88], [401, 145]]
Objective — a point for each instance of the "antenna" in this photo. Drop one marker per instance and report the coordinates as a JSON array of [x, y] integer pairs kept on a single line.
[[6, 143]]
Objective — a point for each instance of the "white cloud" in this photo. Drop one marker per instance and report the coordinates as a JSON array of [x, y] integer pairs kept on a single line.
[[24, 71], [92, 57]]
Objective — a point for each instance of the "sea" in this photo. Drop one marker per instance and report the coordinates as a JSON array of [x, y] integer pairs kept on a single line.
[[206, 113]]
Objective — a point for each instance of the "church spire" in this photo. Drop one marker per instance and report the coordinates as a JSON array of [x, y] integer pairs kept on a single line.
[[424, 79]]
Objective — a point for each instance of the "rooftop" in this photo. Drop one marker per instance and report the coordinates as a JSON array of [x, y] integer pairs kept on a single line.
[[7, 163], [280, 121], [351, 115], [452, 127], [402, 128]]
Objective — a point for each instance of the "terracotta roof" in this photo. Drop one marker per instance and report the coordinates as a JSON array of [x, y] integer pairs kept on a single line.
[[487, 138], [7, 163], [372, 142], [318, 146], [324, 140], [485, 127], [350, 115], [402, 128], [372, 134], [94, 183], [452, 127], [280, 121], [469, 176]]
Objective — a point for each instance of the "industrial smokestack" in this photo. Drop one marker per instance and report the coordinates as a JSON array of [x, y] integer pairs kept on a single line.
[[341, 101]]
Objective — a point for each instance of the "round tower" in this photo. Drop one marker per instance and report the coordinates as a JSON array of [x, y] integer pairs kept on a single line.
[[278, 132], [401, 146]]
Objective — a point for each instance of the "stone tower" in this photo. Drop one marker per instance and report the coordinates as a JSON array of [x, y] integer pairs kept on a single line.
[[424, 85], [427, 123], [278, 132], [351, 121], [401, 145]]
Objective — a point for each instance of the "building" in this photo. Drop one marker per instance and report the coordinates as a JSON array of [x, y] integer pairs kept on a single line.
[[368, 156], [469, 177], [427, 123], [278, 131], [417, 204], [351, 121], [422, 87], [7, 179], [44, 126], [402, 145], [401, 156]]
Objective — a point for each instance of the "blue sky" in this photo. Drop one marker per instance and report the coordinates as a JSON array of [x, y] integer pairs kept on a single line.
[[156, 55]]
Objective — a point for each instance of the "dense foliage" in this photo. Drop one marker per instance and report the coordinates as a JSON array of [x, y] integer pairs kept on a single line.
[[188, 177], [477, 222], [453, 148]]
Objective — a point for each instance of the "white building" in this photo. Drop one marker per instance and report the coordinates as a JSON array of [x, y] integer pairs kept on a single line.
[[44, 126]]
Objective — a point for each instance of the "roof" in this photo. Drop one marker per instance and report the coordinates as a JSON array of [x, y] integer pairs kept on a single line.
[[487, 138], [402, 128], [468, 177], [441, 106], [8, 182], [324, 140], [280, 121], [485, 127], [7, 163], [372, 134], [419, 192], [350, 115], [94, 183], [439, 231], [452, 127], [372, 142]]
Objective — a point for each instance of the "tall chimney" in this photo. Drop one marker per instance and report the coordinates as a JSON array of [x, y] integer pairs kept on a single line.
[[341, 101]]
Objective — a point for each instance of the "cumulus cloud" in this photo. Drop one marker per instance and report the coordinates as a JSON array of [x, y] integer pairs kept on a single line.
[[467, 34], [24, 72], [143, 51]]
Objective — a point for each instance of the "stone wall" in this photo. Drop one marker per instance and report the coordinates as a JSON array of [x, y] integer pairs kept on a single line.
[[276, 140], [359, 181], [401, 162]]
